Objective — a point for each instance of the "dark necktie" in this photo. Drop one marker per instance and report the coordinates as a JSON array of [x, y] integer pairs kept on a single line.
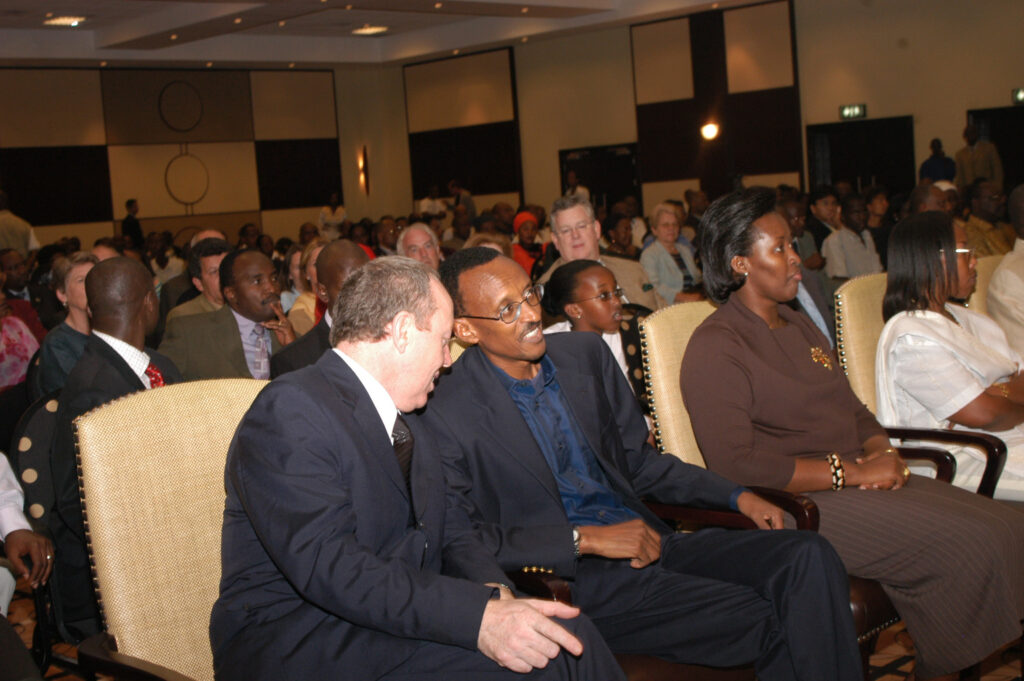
[[403, 443], [155, 376]]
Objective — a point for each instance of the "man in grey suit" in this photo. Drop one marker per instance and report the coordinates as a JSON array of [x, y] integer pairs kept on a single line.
[[336, 525], [237, 340]]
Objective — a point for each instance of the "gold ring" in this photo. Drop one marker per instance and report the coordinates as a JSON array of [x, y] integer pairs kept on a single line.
[[49, 557], [906, 474]]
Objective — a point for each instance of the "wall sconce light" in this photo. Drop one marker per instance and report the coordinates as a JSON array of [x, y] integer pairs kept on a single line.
[[1018, 96], [849, 111], [709, 131], [364, 171]]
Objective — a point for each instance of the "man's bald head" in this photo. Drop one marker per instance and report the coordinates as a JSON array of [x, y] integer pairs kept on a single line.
[[117, 290], [336, 262], [1016, 205]]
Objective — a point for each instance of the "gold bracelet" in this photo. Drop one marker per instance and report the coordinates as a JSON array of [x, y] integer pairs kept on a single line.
[[1004, 388], [835, 465], [890, 450]]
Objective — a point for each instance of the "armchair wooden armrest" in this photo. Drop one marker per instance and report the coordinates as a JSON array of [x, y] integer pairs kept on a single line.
[[541, 582], [994, 448], [945, 463], [803, 510], [98, 654]]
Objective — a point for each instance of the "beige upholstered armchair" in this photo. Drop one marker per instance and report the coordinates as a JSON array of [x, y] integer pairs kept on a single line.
[[151, 467], [858, 326]]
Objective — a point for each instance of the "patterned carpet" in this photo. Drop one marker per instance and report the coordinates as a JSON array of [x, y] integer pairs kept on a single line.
[[892, 661]]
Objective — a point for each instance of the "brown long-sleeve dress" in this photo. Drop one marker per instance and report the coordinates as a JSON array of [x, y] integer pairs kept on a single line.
[[951, 561]]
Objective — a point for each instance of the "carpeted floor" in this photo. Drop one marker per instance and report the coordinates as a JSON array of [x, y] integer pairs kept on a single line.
[[892, 661]]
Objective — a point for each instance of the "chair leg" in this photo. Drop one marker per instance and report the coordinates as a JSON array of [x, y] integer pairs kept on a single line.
[[42, 644], [867, 646]]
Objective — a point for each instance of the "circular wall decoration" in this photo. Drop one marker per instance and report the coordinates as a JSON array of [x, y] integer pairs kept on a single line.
[[186, 178], [181, 106]]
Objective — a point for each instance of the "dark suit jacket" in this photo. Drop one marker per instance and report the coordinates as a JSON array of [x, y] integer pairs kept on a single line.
[[100, 376], [324, 574], [497, 472], [818, 229], [208, 346], [306, 350]]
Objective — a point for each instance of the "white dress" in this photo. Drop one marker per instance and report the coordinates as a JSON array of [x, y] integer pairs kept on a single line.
[[927, 368]]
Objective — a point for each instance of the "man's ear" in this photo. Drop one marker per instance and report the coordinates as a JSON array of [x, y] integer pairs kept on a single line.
[[321, 293], [230, 295], [198, 283], [399, 329], [465, 332]]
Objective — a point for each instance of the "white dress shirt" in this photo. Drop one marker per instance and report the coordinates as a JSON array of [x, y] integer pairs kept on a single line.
[[136, 359], [382, 401], [848, 254], [1006, 296]]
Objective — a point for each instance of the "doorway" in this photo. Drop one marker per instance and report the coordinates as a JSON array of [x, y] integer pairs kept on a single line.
[[866, 153], [608, 172]]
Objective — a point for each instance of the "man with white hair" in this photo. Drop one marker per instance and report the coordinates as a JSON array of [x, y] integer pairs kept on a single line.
[[576, 234], [418, 241]]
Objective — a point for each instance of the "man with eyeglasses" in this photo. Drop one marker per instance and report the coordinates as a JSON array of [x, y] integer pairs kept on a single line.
[[576, 234], [545, 449], [987, 234]]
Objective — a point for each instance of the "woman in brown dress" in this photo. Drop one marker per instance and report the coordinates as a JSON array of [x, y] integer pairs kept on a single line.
[[770, 406]]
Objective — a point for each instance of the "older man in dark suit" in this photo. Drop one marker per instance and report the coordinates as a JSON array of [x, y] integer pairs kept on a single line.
[[335, 525], [336, 261], [124, 309], [237, 340], [545, 447]]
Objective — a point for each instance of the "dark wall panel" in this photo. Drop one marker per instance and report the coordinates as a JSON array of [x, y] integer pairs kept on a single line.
[[764, 129], [483, 157], [298, 173], [57, 185], [668, 140]]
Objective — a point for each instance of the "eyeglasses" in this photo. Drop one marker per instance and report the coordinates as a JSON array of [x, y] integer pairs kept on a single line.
[[606, 296], [509, 314], [578, 229], [969, 252]]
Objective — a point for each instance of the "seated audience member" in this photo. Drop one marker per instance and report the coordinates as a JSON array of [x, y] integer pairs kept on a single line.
[[335, 263], [281, 247], [387, 237], [204, 269], [332, 550], [939, 364], [249, 237], [670, 265], [18, 287], [237, 340], [1006, 289], [504, 218], [925, 197], [106, 248], [419, 242], [545, 447], [267, 245], [124, 309], [879, 224], [65, 343], [17, 345], [811, 297], [180, 289], [576, 234], [850, 251], [574, 188], [769, 402], [586, 294], [823, 203], [307, 232], [432, 204], [617, 229], [986, 233], [455, 237], [952, 206], [526, 249], [295, 282], [697, 202], [496, 241], [19, 541], [332, 217], [162, 257], [303, 314]]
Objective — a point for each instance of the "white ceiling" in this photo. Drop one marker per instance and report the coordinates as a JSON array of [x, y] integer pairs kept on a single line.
[[306, 33]]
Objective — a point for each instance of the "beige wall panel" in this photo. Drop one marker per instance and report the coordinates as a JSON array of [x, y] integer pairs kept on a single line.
[[150, 107], [371, 112], [904, 71], [279, 223], [573, 92], [87, 232], [656, 192], [662, 64], [757, 47], [452, 93], [228, 170], [44, 108], [772, 180], [293, 105]]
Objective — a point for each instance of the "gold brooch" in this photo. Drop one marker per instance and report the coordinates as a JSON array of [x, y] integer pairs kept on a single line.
[[819, 356]]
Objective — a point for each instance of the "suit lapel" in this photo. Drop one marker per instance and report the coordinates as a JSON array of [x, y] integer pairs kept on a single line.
[[230, 340], [498, 416], [111, 357]]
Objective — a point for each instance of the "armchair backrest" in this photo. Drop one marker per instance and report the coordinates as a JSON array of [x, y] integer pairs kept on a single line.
[[151, 468], [858, 325], [664, 336], [985, 268]]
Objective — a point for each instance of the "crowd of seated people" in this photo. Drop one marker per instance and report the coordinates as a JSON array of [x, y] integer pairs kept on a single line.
[[767, 398]]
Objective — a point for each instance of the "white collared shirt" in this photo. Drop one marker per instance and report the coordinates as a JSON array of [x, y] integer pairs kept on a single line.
[[136, 359], [12, 501], [382, 401]]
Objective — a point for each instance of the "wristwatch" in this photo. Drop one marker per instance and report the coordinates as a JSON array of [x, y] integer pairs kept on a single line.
[[576, 541]]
